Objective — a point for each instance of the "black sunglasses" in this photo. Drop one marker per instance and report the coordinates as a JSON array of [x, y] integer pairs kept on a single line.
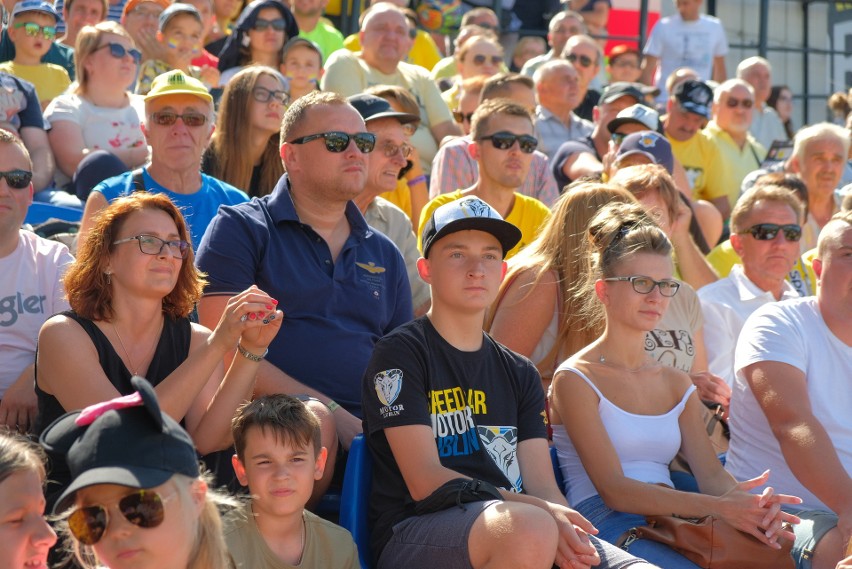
[[505, 141], [17, 179], [118, 51], [768, 231], [168, 118], [143, 508], [585, 60], [336, 141], [481, 59], [278, 24]]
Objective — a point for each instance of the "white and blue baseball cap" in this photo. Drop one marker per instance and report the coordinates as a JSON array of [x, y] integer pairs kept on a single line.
[[468, 213]]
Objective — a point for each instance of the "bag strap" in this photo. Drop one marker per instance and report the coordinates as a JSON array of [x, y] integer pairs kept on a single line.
[[137, 180]]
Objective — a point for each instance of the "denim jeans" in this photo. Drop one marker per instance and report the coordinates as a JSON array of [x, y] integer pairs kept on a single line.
[[612, 525]]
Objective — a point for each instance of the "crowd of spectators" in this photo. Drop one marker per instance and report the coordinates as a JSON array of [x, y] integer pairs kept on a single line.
[[459, 243]]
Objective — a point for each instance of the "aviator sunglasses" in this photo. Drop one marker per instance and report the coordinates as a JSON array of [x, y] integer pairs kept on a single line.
[[644, 285], [336, 141], [143, 508], [118, 51], [768, 231], [505, 141], [17, 179]]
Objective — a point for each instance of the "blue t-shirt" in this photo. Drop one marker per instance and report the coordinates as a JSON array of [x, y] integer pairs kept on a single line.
[[25, 110], [198, 208], [334, 311]]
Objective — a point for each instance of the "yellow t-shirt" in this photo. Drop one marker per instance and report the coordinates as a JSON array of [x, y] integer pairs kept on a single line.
[[739, 162], [703, 164], [528, 214], [400, 197], [48, 79], [424, 52]]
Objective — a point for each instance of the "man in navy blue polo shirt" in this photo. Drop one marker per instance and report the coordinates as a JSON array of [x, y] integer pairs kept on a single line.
[[341, 285]]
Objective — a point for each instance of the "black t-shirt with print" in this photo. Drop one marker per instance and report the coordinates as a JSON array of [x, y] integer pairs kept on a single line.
[[480, 405]]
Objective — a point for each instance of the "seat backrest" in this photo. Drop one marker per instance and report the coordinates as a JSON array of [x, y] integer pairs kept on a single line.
[[354, 499], [39, 212], [557, 472]]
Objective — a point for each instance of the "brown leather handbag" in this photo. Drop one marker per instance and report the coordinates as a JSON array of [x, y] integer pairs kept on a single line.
[[712, 543]]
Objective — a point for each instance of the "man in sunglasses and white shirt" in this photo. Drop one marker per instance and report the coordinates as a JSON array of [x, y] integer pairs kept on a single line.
[[178, 125], [765, 233], [341, 284], [791, 401], [503, 142]]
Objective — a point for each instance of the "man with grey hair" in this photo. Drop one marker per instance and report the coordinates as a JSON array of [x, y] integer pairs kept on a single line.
[[585, 54], [791, 401], [563, 26], [179, 122], [766, 125], [733, 103], [558, 90], [381, 61]]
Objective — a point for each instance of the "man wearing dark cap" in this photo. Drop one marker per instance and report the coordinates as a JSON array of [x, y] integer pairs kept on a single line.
[[688, 110], [578, 158], [392, 149], [341, 285], [455, 424]]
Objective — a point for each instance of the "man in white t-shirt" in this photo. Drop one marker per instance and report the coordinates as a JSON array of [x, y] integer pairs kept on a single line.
[[687, 39], [791, 401], [765, 233], [31, 269]]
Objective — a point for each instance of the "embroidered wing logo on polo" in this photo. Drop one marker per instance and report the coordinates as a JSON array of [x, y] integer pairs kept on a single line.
[[475, 207], [371, 268], [388, 385]]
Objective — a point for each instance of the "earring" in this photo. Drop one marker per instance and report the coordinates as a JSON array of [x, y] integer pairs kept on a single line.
[[245, 40], [108, 278]]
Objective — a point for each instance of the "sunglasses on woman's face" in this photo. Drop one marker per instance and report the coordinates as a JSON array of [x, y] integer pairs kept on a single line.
[[278, 24], [479, 60], [118, 51], [143, 508]]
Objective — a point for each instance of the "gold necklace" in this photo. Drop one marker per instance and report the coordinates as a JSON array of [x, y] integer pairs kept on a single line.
[[132, 368]]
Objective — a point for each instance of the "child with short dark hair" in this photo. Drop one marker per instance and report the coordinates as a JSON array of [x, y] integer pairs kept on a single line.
[[279, 456], [301, 64], [181, 31], [33, 30]]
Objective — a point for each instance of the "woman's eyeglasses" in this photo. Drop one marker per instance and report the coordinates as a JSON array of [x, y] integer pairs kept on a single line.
[[278, 24], [33, 30], [461, 117], [143, 508], [644, 285], [336, 141], [264, 95], [118, 51], [479, 60], [17, 179], [768, 231], [153, 245], [585, 60], [168, 118], [505, 141]]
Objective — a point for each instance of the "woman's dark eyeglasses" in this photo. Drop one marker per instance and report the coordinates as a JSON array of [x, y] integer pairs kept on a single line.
[[33, 30], [168, 118], [505, 141], [585, 60], [153, 245], [733, 103], [264, 95], [336, 141], [768, 231], [143, 508], [118, 51], [644, 285], [481, 59], [278, 24], [460, 117], [17, 179]]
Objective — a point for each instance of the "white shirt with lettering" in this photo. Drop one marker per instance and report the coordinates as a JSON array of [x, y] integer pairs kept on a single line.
[[30, 293]]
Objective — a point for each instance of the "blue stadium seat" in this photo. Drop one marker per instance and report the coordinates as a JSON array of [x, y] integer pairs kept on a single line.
[[355, 497], [40, 212]]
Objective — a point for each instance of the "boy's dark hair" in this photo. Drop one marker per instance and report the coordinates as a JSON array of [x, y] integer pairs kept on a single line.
[[287, 417]]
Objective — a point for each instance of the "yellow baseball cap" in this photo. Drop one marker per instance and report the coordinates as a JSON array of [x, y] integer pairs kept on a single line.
[[176, 82]]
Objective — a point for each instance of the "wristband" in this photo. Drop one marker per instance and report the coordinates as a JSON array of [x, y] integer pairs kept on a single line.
[[250, 356], [332, 405], [417, 180]]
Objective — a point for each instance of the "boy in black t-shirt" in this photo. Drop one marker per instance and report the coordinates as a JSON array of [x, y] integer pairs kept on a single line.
[[456, 426]]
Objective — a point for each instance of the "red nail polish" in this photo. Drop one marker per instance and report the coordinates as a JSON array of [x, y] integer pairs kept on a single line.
[[252, 316], [269, 307], [274, 301]]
